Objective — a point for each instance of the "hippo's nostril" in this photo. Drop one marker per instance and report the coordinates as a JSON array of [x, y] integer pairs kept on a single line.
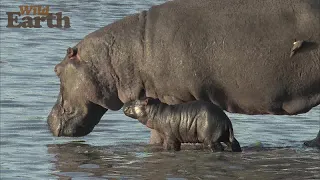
[[57, 70]]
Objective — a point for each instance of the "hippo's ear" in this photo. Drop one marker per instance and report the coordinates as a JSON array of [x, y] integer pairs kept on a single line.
[[146, 101], [72, 52]]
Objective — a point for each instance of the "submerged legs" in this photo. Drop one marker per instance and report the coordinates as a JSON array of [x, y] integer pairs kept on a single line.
[[314, 142]]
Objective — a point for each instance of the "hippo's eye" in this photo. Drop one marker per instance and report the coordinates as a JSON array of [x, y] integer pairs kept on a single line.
[[62, 109], [68, 111]]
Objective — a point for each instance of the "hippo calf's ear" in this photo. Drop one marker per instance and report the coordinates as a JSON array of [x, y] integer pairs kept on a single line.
[[146, 101]]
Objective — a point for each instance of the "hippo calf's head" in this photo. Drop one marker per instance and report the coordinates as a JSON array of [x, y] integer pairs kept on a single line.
[[82, 100], [138, 109], [135, 109]]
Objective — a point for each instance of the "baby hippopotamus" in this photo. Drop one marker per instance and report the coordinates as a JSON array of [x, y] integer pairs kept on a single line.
[[192, 122]]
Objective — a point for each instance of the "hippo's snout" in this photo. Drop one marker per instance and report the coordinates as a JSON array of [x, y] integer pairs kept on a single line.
[[53, 122], [78, 122], [127, 111], [58, 69], [132, 111]]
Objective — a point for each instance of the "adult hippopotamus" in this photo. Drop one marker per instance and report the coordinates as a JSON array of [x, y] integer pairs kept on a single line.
[[249, 57]]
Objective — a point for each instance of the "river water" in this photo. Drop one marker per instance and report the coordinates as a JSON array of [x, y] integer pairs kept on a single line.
[[118, 147]]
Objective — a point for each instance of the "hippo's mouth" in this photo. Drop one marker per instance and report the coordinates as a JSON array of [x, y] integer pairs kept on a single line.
[[79, 122]]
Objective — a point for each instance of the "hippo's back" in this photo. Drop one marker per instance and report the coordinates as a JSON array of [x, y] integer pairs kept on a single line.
[[235, 53], [202, 110]]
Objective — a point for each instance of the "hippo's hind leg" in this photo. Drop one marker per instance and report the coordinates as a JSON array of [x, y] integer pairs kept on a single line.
[[234, 146], [213, 146], [216, 146], [314, 143], [171, 143]]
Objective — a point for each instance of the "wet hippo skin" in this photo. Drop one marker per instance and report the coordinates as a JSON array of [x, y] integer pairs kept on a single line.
[[191, 122], [240, 55]]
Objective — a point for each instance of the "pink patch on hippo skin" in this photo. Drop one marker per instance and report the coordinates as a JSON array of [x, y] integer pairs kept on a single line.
[[148, 124]]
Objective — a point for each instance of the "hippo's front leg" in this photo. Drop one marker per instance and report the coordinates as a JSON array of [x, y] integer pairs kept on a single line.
[[155, 137], [171, 143], [214, 146], [314, 143]]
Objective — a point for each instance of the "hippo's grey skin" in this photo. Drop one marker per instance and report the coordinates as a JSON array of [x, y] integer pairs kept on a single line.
[[234, 53], [191, 122]]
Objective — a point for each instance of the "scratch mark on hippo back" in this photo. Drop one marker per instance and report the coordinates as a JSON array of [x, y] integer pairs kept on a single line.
[[302, 46], [296, 45]]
